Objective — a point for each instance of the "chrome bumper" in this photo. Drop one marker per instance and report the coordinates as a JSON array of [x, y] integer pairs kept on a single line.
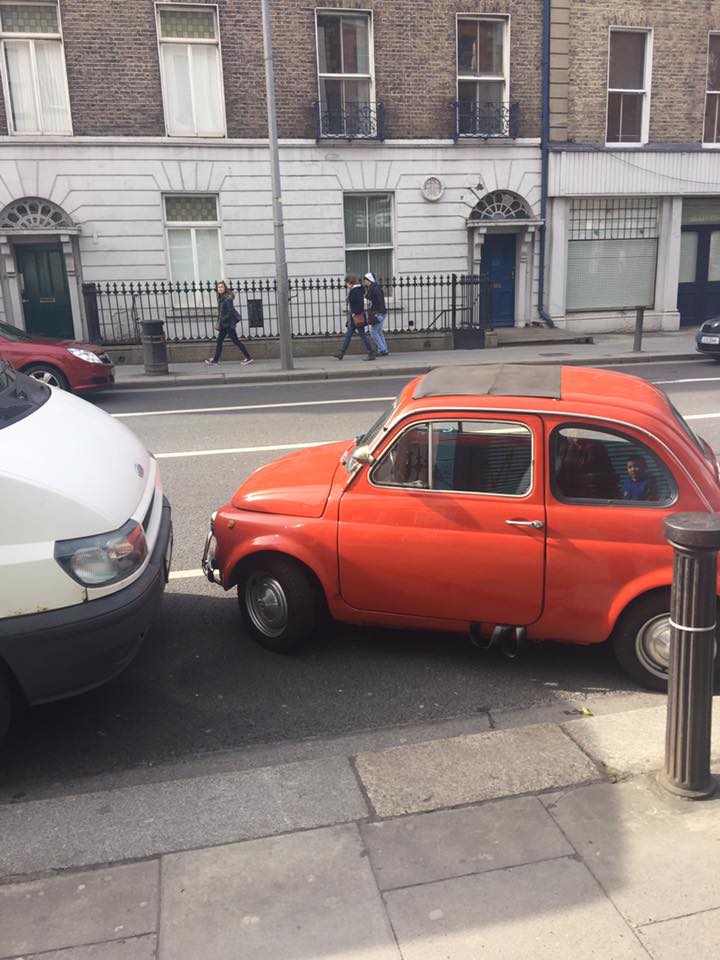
[[208, 557]]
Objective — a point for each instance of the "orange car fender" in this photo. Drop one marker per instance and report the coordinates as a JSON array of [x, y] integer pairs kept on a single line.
[[661, 578], [309, 552]]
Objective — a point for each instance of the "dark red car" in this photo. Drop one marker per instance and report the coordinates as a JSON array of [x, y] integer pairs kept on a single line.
[[67, 364]]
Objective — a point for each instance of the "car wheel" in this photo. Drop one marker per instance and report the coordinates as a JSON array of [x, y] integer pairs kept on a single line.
[[278, 603], [47, 374], [6, 702], [642, 641]]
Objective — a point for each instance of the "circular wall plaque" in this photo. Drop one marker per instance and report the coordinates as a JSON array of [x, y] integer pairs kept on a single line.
[[433, 188]]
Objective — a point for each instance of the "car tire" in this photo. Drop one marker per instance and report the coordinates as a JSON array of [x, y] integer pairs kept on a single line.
[[46, 373], [641, 641], [6, 705], [278, 603]]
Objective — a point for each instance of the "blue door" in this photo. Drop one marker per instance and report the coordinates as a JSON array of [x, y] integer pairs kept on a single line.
[[498, 265]]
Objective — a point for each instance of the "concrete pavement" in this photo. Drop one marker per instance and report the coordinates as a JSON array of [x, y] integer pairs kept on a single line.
[[606, 349], [543, 840]]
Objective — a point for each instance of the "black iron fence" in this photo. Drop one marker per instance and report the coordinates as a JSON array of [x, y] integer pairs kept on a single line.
[[486, 120], [416, 304], [349, 121]]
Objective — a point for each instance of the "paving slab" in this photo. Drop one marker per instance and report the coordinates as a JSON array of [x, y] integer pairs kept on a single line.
[[137, 948], [300, 897], [669, 939], [552, 910], [632, 742], [144, 820], [467, 769], [656, 856], [426, 847], [79, 908]]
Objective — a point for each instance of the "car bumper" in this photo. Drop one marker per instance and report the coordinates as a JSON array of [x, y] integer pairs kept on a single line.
[[99, 378], [62, 652]]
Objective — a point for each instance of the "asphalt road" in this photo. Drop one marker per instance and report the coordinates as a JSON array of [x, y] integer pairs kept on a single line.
[[200, 685]]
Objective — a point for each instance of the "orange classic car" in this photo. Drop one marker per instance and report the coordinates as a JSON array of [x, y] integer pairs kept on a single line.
[[513, 503]]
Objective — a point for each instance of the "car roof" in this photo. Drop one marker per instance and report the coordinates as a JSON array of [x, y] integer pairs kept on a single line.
[[493, 385]]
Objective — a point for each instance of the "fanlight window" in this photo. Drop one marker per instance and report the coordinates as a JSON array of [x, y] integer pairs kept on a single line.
[[34, 214], [501, 205]]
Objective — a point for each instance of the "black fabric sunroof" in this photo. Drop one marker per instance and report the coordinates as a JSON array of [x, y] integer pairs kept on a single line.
[[491, 379]]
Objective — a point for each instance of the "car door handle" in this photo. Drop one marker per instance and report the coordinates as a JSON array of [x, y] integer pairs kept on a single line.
[[535, 524]]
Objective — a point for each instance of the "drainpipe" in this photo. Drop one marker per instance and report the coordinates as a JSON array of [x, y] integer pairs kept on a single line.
[[545, 158]]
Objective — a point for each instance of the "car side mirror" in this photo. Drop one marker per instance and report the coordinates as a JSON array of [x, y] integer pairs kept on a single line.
[[363, 455]]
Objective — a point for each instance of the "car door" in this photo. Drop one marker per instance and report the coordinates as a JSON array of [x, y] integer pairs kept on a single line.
[[448, 523]]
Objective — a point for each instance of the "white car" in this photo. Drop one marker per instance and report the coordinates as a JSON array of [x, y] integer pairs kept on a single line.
[[85, 543]]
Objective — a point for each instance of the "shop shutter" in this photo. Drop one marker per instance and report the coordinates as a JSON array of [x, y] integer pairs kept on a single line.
[[611, 274]]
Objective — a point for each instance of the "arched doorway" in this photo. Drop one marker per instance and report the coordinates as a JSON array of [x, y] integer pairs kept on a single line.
[[39, 268], [502, 230]]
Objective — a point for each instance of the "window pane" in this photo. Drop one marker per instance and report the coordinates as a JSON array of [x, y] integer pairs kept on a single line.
[[490, 47], [713, 82], [625, 117], [357, 263], [206, 90], [714, 257], [467, 47], [208, 254], [188, 24], [190, 208], [355, 45], [28, 18], [329, 52], [54, 105], [181, 258], [22, 95], [711, 131], [380, 264], [356, 228], [356, 92], [379, 220], [688, 257], [599, 465], [627, 60], [406, 463], [178, 89], [482, 457]]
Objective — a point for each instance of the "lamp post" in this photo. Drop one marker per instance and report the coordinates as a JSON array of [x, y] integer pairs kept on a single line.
[[281, 271]]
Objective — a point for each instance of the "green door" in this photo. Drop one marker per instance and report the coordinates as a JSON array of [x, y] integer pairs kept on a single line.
[[46, 298]]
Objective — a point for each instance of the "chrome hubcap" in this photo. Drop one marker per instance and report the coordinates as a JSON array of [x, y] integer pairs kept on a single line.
[[266, 604], [652, 645], [44, 376]]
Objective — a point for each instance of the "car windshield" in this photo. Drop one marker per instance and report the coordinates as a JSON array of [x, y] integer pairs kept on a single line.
[[687, 429], [10, 332], [19, 396], [368, 438]]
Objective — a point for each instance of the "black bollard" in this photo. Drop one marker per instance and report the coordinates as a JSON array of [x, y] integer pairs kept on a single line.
[[695, 538], [639, 320], [154, 346]]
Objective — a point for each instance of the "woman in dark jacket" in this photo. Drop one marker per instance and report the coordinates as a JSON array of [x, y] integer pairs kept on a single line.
[[356, 308], [227, 318]]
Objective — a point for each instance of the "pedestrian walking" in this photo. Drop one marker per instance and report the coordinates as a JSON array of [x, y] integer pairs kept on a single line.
[[225, 324], [356, 318], [377, 312]]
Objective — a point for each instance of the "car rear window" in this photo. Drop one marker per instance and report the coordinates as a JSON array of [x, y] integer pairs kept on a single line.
[[19, 395]]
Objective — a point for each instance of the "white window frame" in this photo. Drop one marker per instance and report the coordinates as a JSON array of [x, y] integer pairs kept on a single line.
[[645, 92], [347, 12], [708, 92], [193, 226], [31, 38], [366, 246], [496, 18], [217, 42]]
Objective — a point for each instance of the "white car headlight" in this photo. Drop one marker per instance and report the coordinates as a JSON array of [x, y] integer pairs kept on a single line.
[[84, 355], [104, 559]]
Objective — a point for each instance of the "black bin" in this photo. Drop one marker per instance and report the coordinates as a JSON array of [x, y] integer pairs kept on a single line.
[[154, 346]]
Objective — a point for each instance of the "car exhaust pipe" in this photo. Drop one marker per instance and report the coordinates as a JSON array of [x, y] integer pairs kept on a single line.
[[513, 642], [483, 643]]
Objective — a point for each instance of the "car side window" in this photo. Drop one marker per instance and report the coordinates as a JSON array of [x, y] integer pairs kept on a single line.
[[607, 466], [465, 456]]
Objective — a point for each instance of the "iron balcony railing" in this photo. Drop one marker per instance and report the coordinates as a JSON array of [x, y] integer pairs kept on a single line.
[[353, 121], [318, 307], [486, 120]]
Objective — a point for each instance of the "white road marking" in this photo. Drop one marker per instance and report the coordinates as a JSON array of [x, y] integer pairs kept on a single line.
[[701, 416], [185, 574], [251, 406], [230, 450], [689, 380]]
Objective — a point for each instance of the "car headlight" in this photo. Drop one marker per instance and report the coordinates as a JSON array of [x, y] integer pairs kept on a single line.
[[104, 559], [84, 355]]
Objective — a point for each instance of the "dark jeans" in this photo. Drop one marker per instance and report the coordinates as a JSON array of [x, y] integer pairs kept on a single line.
[[229, 332], [360, 331]]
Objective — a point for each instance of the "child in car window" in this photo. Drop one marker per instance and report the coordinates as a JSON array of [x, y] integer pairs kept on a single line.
[[638, 485]]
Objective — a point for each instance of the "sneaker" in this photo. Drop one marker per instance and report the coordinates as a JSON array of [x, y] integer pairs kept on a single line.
[[383, 353], [247, 360], [339, 355], [369, 356], [212, 363]]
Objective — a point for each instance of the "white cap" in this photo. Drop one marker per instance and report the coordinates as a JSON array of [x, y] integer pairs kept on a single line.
[[370, 277]]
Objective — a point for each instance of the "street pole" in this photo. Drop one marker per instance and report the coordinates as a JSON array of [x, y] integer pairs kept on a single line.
[[281, 271]]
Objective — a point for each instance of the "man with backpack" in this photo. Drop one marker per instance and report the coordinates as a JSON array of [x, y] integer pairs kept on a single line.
[[377, 312]]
